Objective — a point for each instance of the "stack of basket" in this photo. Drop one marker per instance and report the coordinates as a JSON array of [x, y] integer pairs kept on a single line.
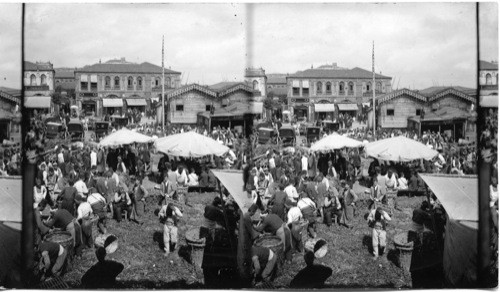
[[197, 245], [405, 249]]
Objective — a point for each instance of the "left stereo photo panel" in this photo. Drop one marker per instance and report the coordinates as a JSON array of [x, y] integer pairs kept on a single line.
[[10, 145]]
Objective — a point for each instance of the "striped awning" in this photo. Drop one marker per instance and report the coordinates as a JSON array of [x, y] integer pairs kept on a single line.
[[37, 101], [347, 107], [112, 102], [324, 107], [136, 102]]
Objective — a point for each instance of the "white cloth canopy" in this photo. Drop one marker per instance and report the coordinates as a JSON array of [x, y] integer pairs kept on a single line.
[[233, 182], [190, 144], [459, 197], [123, 137], [400, 149], [335, 141]]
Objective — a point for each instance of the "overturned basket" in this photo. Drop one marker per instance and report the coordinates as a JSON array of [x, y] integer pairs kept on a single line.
[[108, 242], [318, 246]]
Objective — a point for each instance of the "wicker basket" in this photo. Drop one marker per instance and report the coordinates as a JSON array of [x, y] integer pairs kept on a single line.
[[318, 246], [197, 246], [107, 241], [56, 283], [405, 250], [275, 244]]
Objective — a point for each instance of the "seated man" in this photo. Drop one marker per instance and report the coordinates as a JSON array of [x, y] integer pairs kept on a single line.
[[332, 207], [264, 263], [122, 202]]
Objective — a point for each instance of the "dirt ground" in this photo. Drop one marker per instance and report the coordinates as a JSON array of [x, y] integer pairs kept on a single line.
[[348, 251]]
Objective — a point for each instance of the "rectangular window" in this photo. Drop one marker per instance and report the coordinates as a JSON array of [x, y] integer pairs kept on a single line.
[[390, 112], [179, 107], [93, 85], [295, 91], [305, 91], [418, 112], [84, 86], [208, 107]]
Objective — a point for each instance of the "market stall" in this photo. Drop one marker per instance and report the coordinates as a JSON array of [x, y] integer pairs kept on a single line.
[[189, 144], [399, 149], [124, 136], [333, 142]]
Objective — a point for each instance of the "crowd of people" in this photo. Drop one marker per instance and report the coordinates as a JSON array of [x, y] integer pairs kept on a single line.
[[292, 190]]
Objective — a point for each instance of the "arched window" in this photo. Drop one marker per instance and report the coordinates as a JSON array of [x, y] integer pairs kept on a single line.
[[488, 79], [139, 82], [130, 82], [43, 79], [32, 80], [157, 81], [379, 87], [255, 85], [319, 87], [368, 86], [328, 88], [117, 82], [167, 82], [351, 86], [107, 82], [341, 87]]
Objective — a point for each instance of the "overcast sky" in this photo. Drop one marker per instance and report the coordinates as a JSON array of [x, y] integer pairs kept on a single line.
[[488, 31], [419, 45], [10, 45]]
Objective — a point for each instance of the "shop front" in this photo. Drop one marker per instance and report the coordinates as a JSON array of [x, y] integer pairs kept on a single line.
[[38, 104], [348, 108], [136, 103], [324, 111], [89, 107], [112, 106]]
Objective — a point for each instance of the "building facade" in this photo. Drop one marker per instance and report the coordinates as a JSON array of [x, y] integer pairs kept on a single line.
[[257, 79], [323, 92], [38, 83], [117, 85], [183, 105], [438, 109], [488, 84], [10, 115]]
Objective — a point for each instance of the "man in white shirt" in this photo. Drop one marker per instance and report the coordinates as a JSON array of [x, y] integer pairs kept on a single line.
[[81, 188], [93, 157], [291, 193], [84, 215], [304, 161]]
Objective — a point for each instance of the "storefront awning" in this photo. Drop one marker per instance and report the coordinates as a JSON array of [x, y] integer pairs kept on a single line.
[[136, 102], [489, 101], [347, 107], [324, 107], [112, 102], [37, 101]]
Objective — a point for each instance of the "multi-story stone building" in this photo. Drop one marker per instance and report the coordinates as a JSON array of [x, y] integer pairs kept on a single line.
[[65, 79], [114, 86], [38, 85], [488, 84], [323, 92], [257, 79]]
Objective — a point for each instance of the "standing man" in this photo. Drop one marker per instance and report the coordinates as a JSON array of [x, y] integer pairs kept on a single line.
[[377, 220], [170, 214]]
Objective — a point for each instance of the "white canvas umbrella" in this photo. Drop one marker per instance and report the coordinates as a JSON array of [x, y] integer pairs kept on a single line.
[[124, 137], [335, 141], [399, 149], [190, 144]]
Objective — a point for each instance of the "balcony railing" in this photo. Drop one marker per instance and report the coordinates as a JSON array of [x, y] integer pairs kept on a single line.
[[341, 92], [130, 87], [107, 87], [139, 87], [350, 92], [488, 87], [36, 87]]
